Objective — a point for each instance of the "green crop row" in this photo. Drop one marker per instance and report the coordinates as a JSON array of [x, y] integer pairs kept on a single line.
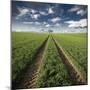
[[53, 72], [75, 45], [24, 46]]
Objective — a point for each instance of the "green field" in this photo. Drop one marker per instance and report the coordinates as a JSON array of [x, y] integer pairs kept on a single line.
[[24, 46], [75, 46], [53, 71]]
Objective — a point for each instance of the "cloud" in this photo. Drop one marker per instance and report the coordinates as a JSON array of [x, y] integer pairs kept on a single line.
[[74, 9], [44, 23], [82, 23], [47, 25], [25, 11], [33, 11], [57, 24], [35, 16], [56, 19], [27, 23], [22, 12], [50, 10], [34, 23], [43, 13], [81, 12], [37, 23]]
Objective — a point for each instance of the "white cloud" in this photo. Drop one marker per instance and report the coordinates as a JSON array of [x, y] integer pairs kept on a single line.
[[74, 9], [43, 13], [44, 23], [81, 23], [56, 19], [47, 25], [27, 22], [33, 11], [57, 24], [35, 16], [37, 23], [81, 12], [50, 10], [22, 11]]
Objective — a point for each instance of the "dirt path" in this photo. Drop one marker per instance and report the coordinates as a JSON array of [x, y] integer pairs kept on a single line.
[[28, 80], [76, 76]]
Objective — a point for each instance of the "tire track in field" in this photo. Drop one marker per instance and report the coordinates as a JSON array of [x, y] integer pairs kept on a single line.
[[28, 80], [76, 76]]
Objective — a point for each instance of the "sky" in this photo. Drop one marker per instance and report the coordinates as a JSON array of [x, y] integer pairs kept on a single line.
[[41, 17]]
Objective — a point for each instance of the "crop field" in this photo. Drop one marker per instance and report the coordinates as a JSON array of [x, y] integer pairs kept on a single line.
[[24, 46], [75, 45], [53, 72], [48, 59]]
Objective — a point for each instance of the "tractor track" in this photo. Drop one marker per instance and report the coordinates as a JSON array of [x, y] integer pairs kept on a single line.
[[75, 75], [29, 78]]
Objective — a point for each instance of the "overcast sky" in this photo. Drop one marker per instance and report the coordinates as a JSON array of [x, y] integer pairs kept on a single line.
[[36, 16]]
